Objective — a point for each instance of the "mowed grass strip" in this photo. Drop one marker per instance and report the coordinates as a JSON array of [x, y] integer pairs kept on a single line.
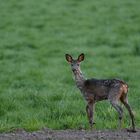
[[36, 84]]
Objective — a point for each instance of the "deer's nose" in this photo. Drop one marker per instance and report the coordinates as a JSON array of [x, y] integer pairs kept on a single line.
[[74, 70]]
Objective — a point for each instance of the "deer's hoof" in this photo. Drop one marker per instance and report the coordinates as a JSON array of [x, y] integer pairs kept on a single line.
[[131, 130]]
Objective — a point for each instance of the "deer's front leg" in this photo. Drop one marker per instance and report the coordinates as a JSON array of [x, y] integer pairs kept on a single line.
[[89, 110]]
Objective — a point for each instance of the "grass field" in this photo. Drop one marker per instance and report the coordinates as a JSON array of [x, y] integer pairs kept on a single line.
[[36, 84]]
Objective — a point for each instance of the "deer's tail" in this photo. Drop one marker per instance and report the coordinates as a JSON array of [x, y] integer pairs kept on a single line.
[[124, 85]]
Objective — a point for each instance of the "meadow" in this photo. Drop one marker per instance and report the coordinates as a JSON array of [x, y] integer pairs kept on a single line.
[[36, 83]]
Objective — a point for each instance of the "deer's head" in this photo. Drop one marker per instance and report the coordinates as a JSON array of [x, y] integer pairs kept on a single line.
[[75, 63]]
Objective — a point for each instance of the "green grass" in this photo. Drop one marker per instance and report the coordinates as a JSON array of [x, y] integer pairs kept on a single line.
[[36, 85]]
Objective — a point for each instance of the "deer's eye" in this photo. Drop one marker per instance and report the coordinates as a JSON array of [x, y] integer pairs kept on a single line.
[[71, 64], [77, 64]]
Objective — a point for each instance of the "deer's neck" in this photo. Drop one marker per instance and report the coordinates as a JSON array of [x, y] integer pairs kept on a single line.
[[79, 78]]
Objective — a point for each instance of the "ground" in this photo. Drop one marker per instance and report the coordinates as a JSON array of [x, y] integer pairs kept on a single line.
[[48, 134]]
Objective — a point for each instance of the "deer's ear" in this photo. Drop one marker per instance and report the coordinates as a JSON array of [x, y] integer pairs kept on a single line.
[[68, 58], [81, 57]]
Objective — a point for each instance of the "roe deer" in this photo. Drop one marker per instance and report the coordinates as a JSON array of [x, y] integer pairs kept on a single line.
[[94, 90]]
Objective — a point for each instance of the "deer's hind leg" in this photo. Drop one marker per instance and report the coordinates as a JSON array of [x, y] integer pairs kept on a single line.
[[114, 98], [124, 100], [119, 110]]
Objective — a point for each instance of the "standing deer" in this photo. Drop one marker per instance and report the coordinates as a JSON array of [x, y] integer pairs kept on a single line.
[[94, 90]]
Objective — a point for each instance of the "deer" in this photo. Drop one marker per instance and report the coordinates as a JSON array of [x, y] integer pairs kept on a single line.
[[94, 90]]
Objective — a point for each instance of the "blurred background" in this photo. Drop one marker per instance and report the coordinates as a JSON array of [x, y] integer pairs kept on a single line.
[[36, 84]]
